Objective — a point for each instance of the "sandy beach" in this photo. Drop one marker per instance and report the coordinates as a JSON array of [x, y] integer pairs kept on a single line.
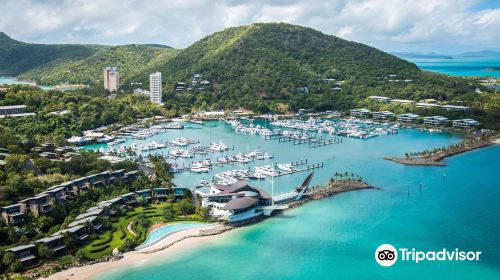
[[143, 256]]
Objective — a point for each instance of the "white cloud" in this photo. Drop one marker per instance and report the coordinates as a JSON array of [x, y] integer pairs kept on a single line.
[[439, 25]]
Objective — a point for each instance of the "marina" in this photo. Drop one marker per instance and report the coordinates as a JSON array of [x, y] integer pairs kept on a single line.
[[339, 220]]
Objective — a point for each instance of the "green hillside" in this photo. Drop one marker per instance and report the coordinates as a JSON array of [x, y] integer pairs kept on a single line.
[[17, 57], [261, 66], [54, 64], [130, 59]]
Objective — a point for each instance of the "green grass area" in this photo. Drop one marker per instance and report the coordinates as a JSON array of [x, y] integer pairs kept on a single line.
[[115, 237]]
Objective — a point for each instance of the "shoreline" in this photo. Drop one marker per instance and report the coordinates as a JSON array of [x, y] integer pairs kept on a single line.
[[436, 159], [190, 238]]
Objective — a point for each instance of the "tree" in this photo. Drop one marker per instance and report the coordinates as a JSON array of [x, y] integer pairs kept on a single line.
[[69, 240], [9, 258], [186, 207], [44, 252], [168, 211], [16, 266]]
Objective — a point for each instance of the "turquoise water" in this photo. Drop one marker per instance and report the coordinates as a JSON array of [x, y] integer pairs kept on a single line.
[[459, 66], [13, 81], [337, 237], [167, 230]]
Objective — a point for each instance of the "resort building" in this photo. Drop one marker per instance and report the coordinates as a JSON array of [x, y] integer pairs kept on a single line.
[[111, 79], [78, 231], [13, 214], [92, 221], [141, 92], [14, 111], [379, 98], [427, 105], [383, 115], [360, 113], [37, 205], [155, 87], [54, 243], [402, 101], [235, 202], [25, 253], [239, 201], [435, 120], [408, 118], [44, 202], [455, 108], [465, 123]]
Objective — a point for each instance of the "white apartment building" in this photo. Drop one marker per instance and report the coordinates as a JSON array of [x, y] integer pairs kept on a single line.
[[111, 79], [155, 87]]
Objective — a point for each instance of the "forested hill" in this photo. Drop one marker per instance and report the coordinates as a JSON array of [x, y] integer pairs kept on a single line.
[[257, 65], [53, 64], [272, 56], [17, 57]]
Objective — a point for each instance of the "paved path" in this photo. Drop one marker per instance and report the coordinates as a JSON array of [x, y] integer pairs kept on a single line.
[[129, 228]]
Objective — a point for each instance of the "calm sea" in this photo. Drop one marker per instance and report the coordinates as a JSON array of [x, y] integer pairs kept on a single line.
[[13, 81], [459, 66], [337, 237]]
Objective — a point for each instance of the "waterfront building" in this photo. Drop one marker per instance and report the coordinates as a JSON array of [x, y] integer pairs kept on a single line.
[[427, 105], [91, 220], [144, 194], [408, 118], [435, 120], [455, 108], [54, 243], [465, 123], [236, 202], [360, 113], [78, 231], [111, 79], [402, 101], [25, 253], [383, 115], [155, 87], [379, 98]]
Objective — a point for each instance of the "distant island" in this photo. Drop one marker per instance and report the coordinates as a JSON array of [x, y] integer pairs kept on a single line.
[[472, 54]]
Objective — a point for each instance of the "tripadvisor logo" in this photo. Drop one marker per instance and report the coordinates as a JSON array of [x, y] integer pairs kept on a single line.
[[387, 255]]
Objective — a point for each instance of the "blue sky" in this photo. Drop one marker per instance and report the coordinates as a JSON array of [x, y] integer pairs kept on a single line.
[[444, 26]]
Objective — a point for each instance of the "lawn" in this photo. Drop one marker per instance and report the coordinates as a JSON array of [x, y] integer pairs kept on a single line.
[[115, 237]]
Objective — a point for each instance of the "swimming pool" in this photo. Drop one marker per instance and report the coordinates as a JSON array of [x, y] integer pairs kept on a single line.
[[166, 230]]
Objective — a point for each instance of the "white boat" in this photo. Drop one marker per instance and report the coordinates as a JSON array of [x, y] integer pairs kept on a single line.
[[288, 167], [218, 147], [106, 139], [265, 170], [267, 155], [180, 141], [199, 169], [177, 152]]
